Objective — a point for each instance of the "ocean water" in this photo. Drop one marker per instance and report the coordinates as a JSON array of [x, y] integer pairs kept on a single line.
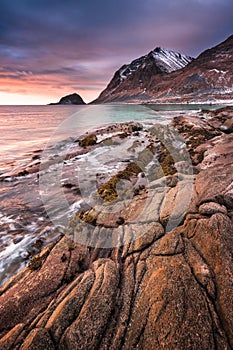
[[24, 129], [27, 131]]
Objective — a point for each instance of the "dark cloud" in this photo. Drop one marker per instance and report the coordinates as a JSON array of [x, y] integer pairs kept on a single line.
[[86, 40]]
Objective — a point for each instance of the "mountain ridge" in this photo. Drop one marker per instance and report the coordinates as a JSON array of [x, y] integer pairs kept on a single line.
[[156, 62], [205, 78]]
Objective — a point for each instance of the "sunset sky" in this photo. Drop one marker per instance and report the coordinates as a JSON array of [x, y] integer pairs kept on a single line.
[[50, 48]]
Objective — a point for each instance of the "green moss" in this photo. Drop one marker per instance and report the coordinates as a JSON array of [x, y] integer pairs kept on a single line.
[[132, 169], [123, 135], [37, 260], [108, 190], [88, 140], [166, 164], [38, 244], [23, 173], [35, 263], [89, 216]]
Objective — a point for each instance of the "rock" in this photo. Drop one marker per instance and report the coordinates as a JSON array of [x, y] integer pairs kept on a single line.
[[218, 231], [211, 208], [88, 140], [73, 99], [38, 339], [211, 184], [9, 339], [70, 306], [176, 203], [141, 181], [156, 271], [227, 126], [87, 330], [156, 321]]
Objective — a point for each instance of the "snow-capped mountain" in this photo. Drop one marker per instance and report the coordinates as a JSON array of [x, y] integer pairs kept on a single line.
[[169, 61], [141, 70], [165, 76], [165, 60]]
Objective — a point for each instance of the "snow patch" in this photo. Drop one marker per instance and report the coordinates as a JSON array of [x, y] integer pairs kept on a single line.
[[170, 61]]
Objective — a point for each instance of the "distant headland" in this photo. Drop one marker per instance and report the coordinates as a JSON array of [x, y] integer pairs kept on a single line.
[[72, 99]]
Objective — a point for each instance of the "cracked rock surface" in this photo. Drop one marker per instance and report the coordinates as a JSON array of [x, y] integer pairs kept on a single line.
[[159, 286]]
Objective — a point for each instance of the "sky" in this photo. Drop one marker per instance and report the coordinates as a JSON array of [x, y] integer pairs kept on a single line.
[[51, 48]]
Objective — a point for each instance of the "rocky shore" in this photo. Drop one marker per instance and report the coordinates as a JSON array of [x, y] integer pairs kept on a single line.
[[149, 266]]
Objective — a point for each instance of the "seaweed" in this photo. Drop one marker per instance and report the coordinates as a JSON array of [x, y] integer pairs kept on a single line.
[[88, 140], [89, 216], [167, 163], [35, 263], [108, 191]]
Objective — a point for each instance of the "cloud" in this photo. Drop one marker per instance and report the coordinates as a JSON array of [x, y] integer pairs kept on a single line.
[[82, 42]]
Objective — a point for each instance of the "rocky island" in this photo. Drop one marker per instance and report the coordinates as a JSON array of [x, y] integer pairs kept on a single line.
[[72, 99], [156, 271]]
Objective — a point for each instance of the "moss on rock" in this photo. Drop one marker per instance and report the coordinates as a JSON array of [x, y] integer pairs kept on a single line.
[[88, 140], [35, 263], [108, 190], [167, 164]]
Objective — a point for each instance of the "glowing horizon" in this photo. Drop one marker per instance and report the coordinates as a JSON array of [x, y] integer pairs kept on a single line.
[[8, 98], [51, 49]]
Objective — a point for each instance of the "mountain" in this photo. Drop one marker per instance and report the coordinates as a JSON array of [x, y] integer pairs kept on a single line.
[[134, 78], [166, 76], [73, 99]]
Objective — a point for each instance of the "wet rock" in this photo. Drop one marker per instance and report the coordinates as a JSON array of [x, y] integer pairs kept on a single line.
[[89, 140], [227, 126]]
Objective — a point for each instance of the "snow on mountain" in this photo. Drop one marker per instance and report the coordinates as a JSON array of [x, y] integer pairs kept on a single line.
[[165, 76], [166, 60], [169, 61], [140, 70]]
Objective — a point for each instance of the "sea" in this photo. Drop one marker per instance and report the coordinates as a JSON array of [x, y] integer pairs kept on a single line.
[[27, 131]]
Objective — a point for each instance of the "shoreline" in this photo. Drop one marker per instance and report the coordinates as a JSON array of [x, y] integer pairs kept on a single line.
[[110, 134], [142, 240]]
